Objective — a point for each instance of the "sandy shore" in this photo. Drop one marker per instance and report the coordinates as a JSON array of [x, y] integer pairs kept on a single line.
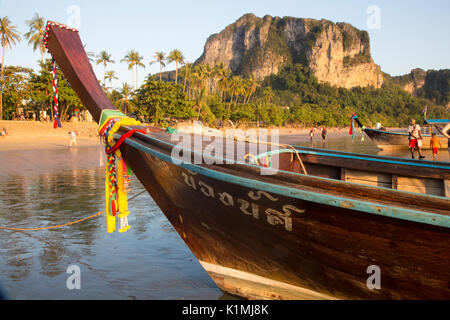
[[39, 136]]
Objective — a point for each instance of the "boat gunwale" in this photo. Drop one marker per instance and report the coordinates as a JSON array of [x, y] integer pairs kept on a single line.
[[378, 209], [145, 136], [399, 133]]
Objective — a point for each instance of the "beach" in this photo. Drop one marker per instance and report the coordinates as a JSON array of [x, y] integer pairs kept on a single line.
[[33, 135]]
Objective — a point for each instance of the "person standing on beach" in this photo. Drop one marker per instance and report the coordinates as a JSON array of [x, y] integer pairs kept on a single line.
[[311, 134], [435, 144], [414, 137], [446, 133], [324, 134], [73, 138]]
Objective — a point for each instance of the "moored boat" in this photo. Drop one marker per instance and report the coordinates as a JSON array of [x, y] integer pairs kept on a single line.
[[313, 228], [400, 139]]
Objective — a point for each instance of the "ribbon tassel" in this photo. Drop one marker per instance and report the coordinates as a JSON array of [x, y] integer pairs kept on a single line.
[[117, 172], [57, 122]]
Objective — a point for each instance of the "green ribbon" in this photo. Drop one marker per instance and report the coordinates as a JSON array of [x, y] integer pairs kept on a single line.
[[107, 113]]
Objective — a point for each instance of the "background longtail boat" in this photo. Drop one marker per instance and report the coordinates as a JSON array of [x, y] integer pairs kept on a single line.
[[289, 235], [386, 140]]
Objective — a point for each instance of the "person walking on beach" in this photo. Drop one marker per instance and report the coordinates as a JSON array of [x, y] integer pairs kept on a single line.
[[324, 134], [435, 144], [311, 134], [415, 139], [73, 138], [446, 133]]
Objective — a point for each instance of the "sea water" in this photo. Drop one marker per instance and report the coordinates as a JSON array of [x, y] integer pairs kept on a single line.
[[150, 261]]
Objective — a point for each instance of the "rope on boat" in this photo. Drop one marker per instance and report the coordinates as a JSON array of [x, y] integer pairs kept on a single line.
[[276, 145], [54, 227], [66, 224], [268, 161]]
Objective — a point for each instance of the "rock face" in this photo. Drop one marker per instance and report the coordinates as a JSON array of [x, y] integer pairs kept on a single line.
[[411, 82], [432, 84], [336, 53]]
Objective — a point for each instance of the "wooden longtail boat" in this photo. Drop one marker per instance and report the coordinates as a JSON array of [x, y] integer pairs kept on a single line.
[[289, 235], [399, 140]]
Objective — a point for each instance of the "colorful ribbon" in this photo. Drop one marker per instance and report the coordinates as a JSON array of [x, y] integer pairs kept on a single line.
[[117, 171], [352, 127], [57, 123]]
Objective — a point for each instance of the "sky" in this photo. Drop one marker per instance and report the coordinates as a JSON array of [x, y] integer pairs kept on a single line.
[[404, 34]]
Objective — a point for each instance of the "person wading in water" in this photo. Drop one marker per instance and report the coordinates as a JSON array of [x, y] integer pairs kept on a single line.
[[446, 133], [415, 139]]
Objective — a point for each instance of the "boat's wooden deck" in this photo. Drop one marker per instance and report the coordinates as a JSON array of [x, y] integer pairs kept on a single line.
[[339, 174]]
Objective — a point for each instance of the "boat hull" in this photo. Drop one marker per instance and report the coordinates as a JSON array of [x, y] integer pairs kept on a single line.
[[257, 244], [396, 140]]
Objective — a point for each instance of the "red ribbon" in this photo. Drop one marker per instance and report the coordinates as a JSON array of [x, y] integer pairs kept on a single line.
[[122, 139]]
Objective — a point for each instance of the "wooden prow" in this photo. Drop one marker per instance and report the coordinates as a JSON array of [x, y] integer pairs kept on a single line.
[[66, 47]]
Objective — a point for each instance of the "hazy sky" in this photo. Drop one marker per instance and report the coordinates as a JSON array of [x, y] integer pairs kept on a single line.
[[404, 34]]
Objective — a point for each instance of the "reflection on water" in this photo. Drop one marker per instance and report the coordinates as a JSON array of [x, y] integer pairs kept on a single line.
[[150, 261]]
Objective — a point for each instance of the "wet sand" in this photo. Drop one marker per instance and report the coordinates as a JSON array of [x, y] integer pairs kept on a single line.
[[29, 148], [40, 136]]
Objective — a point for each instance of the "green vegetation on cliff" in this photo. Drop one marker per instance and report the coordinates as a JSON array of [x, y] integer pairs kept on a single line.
[[315, 103], [295, 97], [436, 87], [433, 85]]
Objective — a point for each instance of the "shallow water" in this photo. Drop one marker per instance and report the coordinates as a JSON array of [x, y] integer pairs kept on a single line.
[[150, 261]]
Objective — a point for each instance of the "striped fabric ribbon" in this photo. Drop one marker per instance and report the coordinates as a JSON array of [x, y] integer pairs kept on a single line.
[[57, 123]]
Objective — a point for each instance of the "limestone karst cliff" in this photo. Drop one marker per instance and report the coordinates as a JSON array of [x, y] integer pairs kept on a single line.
[[337, 53], [433, 85]]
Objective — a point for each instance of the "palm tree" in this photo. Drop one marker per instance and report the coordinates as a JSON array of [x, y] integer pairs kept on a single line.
[[252, 84], [126, 100], [224, 80], [36, 34], [219, 70], [199, 77], [104, 58], [268, 94], [235, 88], [138, 64], [110, 75], [176, 56], [9, 37], [91, 56], [160, 57], [130, 58], [209, 73], [187, 67]]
